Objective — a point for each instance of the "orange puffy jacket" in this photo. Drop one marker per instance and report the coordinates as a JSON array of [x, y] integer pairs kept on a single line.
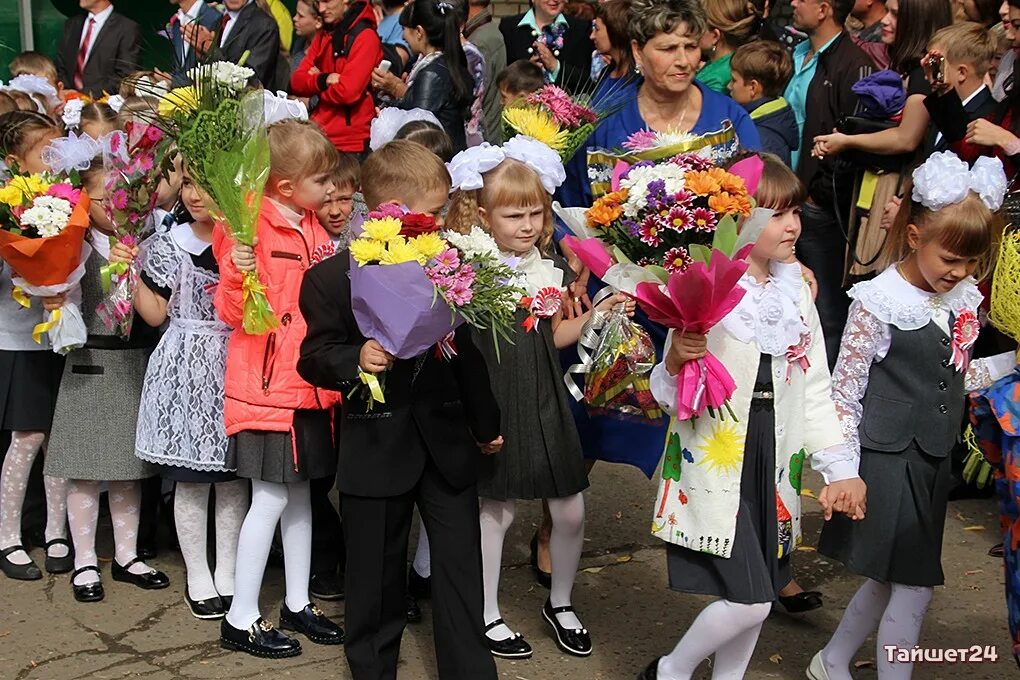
[[263, 388]]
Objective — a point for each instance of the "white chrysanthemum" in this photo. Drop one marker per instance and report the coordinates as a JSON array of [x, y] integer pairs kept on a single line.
[[639, 178], [478, 243], [223, 72], [48, 215]]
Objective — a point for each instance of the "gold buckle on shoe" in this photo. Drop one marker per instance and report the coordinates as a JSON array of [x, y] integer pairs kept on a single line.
[[317, 611]]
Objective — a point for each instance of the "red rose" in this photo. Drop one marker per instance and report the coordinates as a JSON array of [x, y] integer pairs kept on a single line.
[[416, 224]]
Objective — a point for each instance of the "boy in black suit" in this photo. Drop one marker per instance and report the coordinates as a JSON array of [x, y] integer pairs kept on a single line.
[[418, 448]]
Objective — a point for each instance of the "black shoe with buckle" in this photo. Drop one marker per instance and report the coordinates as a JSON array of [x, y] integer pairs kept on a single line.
[[208, 609], [326, 586], [419, 587], [651, 671], [313, 624], [150, 580], [412, 610], [59, 565], [261, 640], [801, 602], [575, 641], [20, 572], [90, 592], [513, 647]]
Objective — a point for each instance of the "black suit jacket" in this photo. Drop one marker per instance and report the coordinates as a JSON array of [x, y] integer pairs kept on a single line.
[[258, 34], [575, 57], [115, 54], [950, 117], [210, 18], [434, 408]]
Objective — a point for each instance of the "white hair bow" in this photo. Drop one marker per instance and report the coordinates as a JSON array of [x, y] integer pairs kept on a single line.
[[544, 161], [389, 121], [32, 84], [468, 166], [944, 180], [277, 107], [73, 152]]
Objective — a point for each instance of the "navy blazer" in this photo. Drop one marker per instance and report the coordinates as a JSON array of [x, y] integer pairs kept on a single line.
[[208, 17]]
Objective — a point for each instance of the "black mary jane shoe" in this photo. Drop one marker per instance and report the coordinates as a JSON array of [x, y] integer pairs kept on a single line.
[[513, 647], [90, 592], [313, 624], [20, 572], [59, 565], [412, 609], [801, 602], [150, 580], [575, 641], [651, 671], [544, 578], [261, 640], [418, 587], [208, 610]]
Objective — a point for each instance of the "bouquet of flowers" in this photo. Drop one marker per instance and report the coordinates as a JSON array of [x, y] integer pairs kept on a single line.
[[221, 133], [131, 183], [42, 238], [552, 117], [672, 228], [412, 286]]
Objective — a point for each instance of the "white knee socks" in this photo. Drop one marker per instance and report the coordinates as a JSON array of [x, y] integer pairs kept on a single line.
[[191, 515], [231, 507], [565, 545], [269, 503], [14, 482], [495, 517], [721, 626], [901, 628], [859, 621]]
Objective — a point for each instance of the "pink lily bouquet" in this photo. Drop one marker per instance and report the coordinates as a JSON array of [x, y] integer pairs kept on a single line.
[[131, 192], [667, 236]]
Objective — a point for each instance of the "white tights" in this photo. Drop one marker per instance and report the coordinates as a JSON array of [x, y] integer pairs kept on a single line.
[[896, 610], [83, 516], [565, 545], [191, 515], [291, 506], [13, 484], [727, 629]]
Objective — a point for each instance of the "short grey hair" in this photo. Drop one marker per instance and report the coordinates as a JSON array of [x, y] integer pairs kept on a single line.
[[649, 18]]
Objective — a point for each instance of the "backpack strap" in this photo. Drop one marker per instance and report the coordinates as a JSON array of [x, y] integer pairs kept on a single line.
[[346, 36]]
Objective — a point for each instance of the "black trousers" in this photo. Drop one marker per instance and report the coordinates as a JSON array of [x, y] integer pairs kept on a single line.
[[376, 531], [822, 248], [327, 533]]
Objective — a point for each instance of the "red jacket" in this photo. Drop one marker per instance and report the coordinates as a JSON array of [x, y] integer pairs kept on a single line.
[[262, 385], [346, 108]]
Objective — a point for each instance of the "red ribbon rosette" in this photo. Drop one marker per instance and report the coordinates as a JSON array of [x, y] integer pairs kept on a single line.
[[543, 305], [796, 355], [965, 333]]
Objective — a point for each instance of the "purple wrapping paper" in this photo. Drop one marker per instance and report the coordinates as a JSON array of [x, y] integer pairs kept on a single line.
[[393, 305]]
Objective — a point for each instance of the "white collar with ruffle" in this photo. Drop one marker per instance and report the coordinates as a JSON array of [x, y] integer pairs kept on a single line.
[[769, 313], [539, 272], [895, 301], [186, 240]]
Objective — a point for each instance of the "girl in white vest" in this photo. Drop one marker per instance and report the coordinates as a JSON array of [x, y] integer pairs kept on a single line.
[[729, 498], [899, 388]]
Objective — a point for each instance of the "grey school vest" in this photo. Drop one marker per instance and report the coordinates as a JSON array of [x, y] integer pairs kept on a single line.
[[914, 395]]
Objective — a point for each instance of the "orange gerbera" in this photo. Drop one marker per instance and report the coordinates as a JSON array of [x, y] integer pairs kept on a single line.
[[728, 204], [701, 183], [602, 214], [732, 184]]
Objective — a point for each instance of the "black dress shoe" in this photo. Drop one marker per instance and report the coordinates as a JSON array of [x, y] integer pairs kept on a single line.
[[21, 572], [59, 565], [326, 587], [513, 647], [150, 580], [90, 592], [262, 640], [413, 612], [227, 600], [418, 587], [544, 578], [801, 602], [574, 641], [207, 610], [651, 671], [146, 551], [313, 624]]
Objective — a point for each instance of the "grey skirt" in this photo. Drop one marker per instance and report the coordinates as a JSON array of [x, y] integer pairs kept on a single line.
[[900, 538], [753, 573], [29, 382], [306, 452], [93, 434]]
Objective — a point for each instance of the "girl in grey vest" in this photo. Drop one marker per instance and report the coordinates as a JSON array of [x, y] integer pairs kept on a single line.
[[899, 384]]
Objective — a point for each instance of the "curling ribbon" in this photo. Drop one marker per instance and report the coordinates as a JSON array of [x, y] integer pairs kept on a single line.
[[587, 341], [258, 315], [45, 326], [108, 271], [371, 381], [20, 297]]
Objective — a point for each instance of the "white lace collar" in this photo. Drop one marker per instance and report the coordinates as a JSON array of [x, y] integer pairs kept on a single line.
[[769, 313], [186, 240], [539, 272], [895, 301]]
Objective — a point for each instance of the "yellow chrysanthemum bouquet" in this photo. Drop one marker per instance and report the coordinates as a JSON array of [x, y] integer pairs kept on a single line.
[[554, 118]]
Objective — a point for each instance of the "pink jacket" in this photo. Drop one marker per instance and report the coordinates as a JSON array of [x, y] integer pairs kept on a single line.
[[262, 384]]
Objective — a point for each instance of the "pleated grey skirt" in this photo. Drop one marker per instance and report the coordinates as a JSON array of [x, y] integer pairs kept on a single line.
[[900, 538], [308, 452]]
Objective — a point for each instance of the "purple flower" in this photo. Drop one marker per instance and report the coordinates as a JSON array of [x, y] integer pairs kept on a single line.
[[119, 199]]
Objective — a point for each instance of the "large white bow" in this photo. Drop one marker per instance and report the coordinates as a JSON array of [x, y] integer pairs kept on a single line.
[[945, 179]]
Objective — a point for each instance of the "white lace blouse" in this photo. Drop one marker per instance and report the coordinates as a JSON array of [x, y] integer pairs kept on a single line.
[[890, 300]]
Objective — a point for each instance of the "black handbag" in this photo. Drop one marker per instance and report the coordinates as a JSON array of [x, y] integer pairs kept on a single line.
[[865, 160]]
